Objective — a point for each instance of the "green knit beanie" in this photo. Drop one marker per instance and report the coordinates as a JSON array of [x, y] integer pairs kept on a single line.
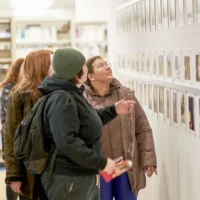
[[67, 63]]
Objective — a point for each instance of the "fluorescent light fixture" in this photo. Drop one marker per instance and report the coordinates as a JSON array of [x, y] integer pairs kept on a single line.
[[30, 13], [33, 4]]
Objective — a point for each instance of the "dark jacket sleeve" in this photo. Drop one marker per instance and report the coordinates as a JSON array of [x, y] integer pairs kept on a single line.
[[64, 125], [4, 100], [144, 137], [14, 169], [107, 114]]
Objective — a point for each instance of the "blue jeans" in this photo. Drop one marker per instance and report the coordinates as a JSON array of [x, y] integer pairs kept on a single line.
[[120, 188]]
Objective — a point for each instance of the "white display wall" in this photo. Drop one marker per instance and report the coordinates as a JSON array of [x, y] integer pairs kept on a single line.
[[154, 49]]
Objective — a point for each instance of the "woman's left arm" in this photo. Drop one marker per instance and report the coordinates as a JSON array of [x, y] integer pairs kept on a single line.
[[144, 138]]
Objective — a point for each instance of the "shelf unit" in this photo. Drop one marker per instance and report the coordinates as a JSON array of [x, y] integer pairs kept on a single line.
[[34, 35], [88, 37], [6, 45], [91, 38]]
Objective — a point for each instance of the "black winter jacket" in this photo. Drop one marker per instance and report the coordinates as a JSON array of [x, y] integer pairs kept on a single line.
[[76, 134]]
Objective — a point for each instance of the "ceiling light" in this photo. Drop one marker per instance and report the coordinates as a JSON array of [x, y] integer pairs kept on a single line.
[[33, 4], [30, 13]]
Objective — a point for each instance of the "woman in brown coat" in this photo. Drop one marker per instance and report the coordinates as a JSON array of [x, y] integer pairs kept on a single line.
[[37, 66], [129, 136]]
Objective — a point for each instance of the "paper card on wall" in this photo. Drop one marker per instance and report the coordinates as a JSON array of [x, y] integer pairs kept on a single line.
[[152, 15], [135, 12], [160, 64], [119, 61], [138, 61], [132, 20], [189, 15], [154, 64], [198, 116], [147, 9], [150, 99], [132, 85], [141, 97], [174, 108], [136, 88], [155, 100], [182, 111], [190, 114], [139, 11], [168, 65], [177, 66], [128, 61], [142, 62], [196, 58], [125, 21], [161, 103], [187, 71], [197, 10], [143, 24], [172, 13], [117, 22], [133, 61], [168, 105], [165, 13], [129, 20], [158, 14], [147, 62], [122, 22], [123, 60], [180, 12], [145, 96]]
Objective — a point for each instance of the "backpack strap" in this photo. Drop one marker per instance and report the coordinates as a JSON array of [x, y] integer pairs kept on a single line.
[[55, 150]]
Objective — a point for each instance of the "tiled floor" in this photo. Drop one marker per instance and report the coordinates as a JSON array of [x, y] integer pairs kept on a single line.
[[2, 184]]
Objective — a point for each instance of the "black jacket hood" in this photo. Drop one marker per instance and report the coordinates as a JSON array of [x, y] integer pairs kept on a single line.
[[53, 83]]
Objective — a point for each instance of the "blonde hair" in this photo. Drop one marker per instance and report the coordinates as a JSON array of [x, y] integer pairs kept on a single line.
[[35, 69], [13, 72]]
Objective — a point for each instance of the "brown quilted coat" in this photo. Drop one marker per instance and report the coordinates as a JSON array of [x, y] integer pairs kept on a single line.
[[15, 171], [129, 136]]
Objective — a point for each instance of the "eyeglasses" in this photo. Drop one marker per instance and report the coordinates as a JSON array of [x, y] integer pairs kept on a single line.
[[102, 65]]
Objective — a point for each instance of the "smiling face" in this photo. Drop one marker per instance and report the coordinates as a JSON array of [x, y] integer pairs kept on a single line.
[[101, 72]]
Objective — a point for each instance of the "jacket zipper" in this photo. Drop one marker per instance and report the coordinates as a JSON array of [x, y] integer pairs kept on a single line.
[[108, 129]]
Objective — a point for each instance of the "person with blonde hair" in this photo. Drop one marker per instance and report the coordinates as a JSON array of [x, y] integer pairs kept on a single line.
[[129, 136], [37, 66], [7, 84]]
